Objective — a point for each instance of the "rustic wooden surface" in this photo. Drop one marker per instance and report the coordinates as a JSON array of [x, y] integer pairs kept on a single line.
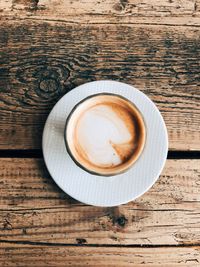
[[42, 226], [34, 209], [43, 255], [47, 48], [162, 12], [41, 62]]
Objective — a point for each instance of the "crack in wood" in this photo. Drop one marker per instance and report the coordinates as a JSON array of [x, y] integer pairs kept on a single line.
[[97, 23], [26, 242]]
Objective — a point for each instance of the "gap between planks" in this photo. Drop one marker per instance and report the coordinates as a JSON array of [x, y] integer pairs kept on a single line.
[[37, 153], [24, 242]]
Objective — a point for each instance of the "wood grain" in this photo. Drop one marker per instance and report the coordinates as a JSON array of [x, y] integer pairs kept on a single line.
[[32, 255], [168, 12], [48, 47], [40, 62], [34, 209]]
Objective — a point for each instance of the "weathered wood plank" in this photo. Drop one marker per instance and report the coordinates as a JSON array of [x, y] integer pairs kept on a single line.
[[171, 12], [40, 62], [33, 208], [32, 255]]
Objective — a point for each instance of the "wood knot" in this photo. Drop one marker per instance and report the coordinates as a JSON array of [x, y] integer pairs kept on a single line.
[[25, 4], [121, 221], [51, 82], [7, 224], [48, 85], [121, 5], [41, 82]]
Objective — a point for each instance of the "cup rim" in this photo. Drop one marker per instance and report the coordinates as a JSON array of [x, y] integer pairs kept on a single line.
[[69, 150]]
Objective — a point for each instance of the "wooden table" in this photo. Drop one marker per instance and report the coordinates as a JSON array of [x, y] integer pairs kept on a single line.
[[46, 49]]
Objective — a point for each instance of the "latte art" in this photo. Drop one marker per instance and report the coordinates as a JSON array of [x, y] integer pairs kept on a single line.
[[111, 141], [105, 134]]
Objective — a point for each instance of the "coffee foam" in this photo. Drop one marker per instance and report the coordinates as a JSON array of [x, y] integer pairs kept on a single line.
[[105, 133]]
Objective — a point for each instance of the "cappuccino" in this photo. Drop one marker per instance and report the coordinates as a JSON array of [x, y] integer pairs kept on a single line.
[[105, 134]]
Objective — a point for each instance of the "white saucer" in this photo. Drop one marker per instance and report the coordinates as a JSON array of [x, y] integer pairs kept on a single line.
[[97, 190]]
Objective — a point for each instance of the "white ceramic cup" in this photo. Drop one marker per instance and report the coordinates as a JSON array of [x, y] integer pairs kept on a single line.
[[105, 134]]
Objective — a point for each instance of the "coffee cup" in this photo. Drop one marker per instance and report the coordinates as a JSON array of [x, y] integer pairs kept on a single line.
[[105, 134]]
